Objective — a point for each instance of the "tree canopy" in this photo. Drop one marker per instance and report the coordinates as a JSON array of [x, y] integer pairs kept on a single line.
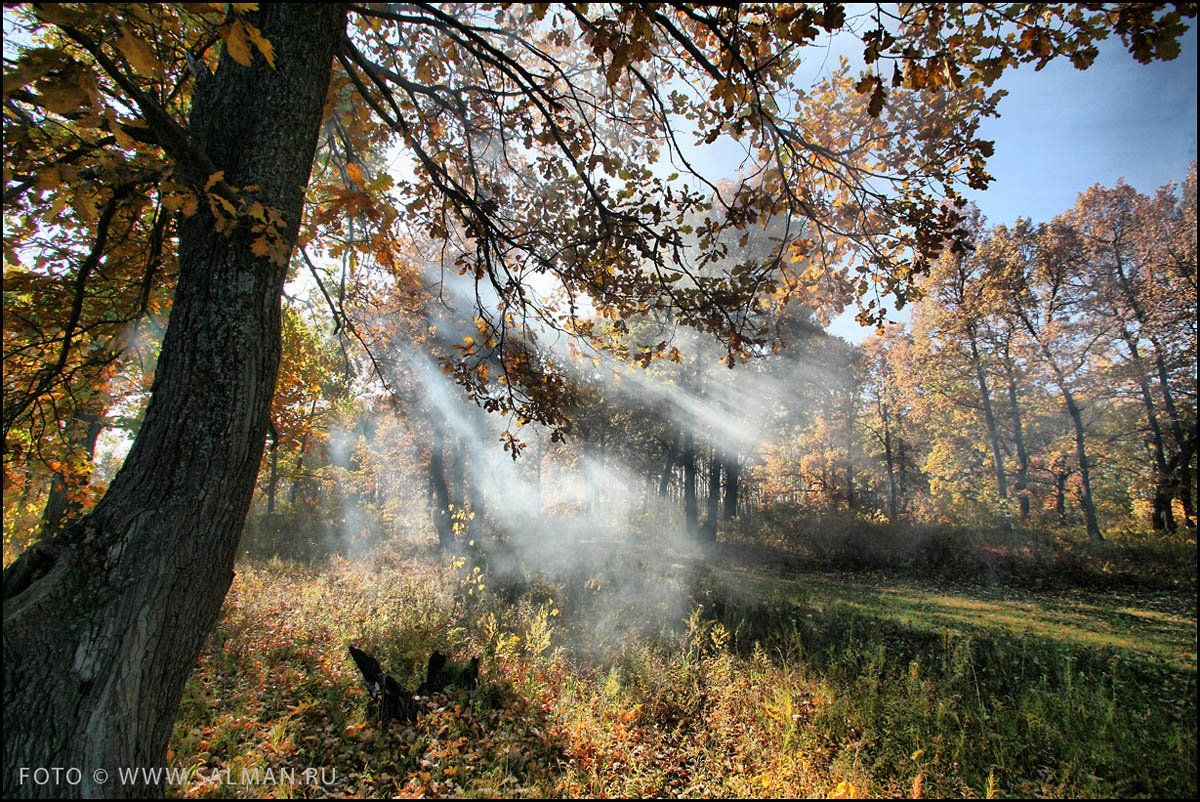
[[539, 160], [530, 140]]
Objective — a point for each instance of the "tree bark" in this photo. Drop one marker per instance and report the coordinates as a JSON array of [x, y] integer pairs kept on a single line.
[[1060, 495], [1085, 475], [273, 479], [989, 417], [691, 513], [60, 510], [1014, 408], [893, 500], [475, 493], [1161, 518], [439, 492], [713, 506], [102, 626], [665, 482], [1165, 486], [733, 477]]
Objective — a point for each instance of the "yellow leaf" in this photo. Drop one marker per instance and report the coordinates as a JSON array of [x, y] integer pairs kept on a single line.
[[141, 13], [236, 44], [60, 203], [86, 204], [260, 41], [62, 96], [139, 54], [845, 790], [49, 178], [214, 179], [176, 199], [59, 14], [229, 207], [32, 65], [124, 140], [355, 174]]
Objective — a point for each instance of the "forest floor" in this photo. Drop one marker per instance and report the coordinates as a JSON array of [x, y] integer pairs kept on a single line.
[[658, 674]]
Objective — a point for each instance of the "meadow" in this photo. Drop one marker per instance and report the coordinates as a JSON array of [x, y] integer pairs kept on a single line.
[[739, 671]]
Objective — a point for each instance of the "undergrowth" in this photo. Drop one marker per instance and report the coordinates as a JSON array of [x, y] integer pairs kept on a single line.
[[1038, 558], [739, 694]]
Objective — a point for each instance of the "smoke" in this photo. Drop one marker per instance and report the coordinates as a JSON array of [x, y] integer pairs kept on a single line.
[[587, 515]]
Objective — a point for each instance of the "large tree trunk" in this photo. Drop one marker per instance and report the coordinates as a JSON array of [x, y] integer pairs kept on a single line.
[[713, 501], [665, 481], [439, 491], [1085, 474], [1060, 495], [273, 478], [1185, 439], [102, 626], [691, 512], [1164, 489], [893, 494], [1014, 408], [989, 417], [1162, 517], [475, 495], [1186, 481], [733, 476]]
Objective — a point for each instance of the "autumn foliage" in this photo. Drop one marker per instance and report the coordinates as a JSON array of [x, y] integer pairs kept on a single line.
[[426, 321]]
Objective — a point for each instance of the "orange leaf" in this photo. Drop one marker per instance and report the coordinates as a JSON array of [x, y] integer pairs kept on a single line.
[[236, 43], [260, 41], [139, 54]]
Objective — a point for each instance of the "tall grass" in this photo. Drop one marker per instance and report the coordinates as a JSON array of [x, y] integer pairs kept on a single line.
[[743, 694]]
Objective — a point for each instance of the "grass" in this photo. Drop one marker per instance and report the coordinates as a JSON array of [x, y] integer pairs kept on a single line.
[[1142, 625], [690, 680], [1048, 558]]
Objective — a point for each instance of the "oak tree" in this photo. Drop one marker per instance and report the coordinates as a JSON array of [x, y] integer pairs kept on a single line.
[[532, 133]]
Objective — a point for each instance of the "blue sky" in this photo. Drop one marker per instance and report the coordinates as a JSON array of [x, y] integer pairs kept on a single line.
[[1061, 130]]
